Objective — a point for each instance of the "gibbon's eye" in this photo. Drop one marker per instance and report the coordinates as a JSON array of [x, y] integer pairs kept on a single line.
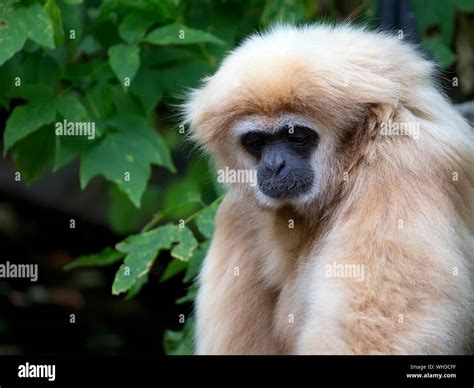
[[299, 136], [254, 142]]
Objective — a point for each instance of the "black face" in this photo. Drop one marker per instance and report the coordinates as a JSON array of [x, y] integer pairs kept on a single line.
[[284, 168]]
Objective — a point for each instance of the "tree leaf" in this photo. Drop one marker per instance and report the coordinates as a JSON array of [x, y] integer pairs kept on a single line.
[[180, 342], [205, 220], [283, 11], [38, 25], [34, 153], [173, 268], [134, 27], [99, 100], [142, 250], [106, 257], [159, 152], [195, 263], [179, 34], [442, 53], [190, 294], [137, 287], [70, 107], [121, 158], [123, 216], [124, 157], [187, 244], [124, 60], [26, 119], [55, 14], [147, 87], [464, 5], [12, 37]]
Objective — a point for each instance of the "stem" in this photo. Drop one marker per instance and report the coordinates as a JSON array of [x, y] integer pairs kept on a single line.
[[157, 217]]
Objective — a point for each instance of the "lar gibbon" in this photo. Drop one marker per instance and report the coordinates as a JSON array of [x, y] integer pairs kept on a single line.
[[358, 236]]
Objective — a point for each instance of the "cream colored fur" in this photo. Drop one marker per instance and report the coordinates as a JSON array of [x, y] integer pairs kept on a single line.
[[400, 208]]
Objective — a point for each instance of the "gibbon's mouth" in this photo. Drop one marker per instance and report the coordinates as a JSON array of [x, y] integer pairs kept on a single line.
[[288, 187]]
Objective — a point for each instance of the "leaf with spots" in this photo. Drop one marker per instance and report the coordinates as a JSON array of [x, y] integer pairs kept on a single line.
[[18, 24], [142, 249], [125, 156], [205, 219], [12, 37]]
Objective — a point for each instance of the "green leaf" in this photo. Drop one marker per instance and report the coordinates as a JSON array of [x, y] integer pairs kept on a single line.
[[70, 107], [34, 153], [425, 16], [73, 2], [187, 244], [173, 268], [26, 119], [124, 60], [37, 23], [38, 68], [89, 45], [195, 263], [142, 250], [137, 287], [12, 37], [99, 100], [186, 75], [205, 220], [124, 157], [443, 54], [134, 27], [465, 5], [67, 148], [283, 10], [125, 103], [106, 257], [54, 13], [190, 294], [159, 152], [123, 216], [179, 34], [18, 24], [146, 86], [180, 342]]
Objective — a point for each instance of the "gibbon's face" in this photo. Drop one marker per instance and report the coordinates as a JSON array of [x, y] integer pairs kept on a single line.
[[287, 104], [282, 153]]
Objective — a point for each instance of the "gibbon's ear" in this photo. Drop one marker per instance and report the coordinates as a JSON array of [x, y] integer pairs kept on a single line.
[[378, 116], [362, 143]]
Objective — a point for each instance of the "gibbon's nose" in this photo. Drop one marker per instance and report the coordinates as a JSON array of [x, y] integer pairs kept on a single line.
[[274, 164]]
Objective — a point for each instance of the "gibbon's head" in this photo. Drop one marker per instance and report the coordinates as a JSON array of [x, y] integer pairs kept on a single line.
[[300, 106]]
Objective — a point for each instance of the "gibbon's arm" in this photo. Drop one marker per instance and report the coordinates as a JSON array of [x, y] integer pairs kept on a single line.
[[233, 309]]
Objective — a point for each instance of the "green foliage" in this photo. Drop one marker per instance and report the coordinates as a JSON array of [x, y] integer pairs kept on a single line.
[[437, 25], [107, 257], [118, 65], [178, 34]]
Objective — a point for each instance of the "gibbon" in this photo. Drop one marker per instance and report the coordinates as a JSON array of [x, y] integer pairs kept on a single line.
[[358, 236]]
